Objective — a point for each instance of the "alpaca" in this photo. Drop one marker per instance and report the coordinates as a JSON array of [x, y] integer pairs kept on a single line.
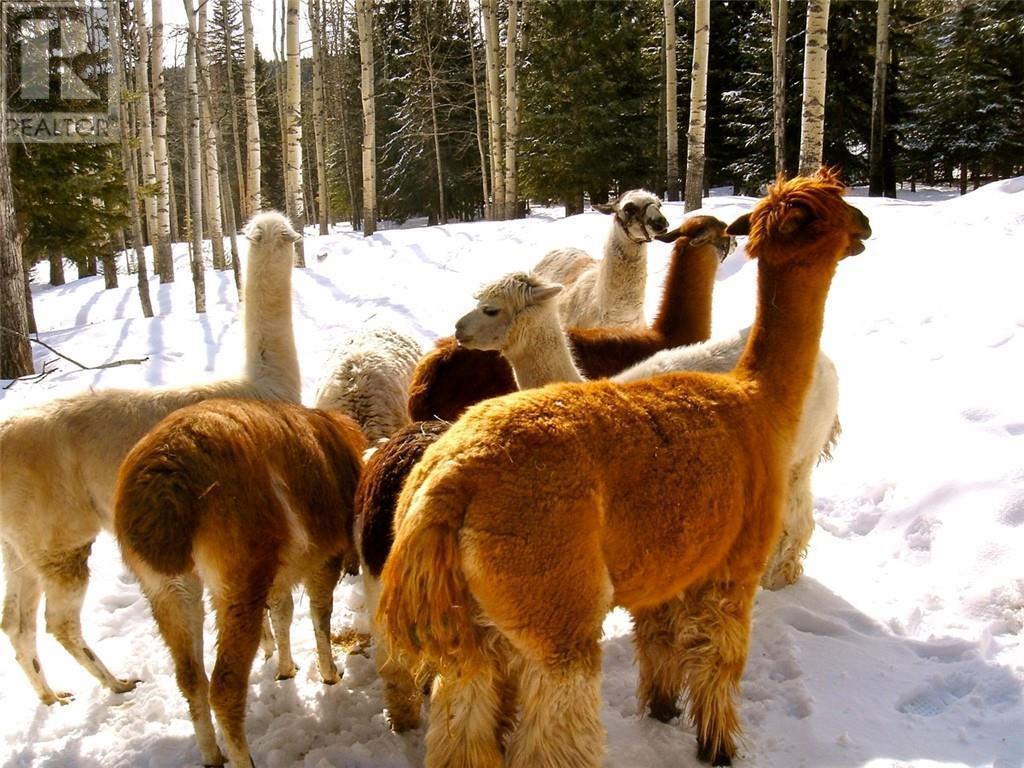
[[368, 379], [815, 438], [60, 462], [539, 511], [249, 498], [451, 377], [610, 291]]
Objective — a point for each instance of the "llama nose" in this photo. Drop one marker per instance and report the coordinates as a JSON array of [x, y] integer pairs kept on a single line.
[[660, 225]]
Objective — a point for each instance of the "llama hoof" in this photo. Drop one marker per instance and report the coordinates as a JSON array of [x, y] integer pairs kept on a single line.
[[124, 686], [781, 578], [717, 757], [402, 721], [59, 697], [665, 710], [287, 674], [332, 679]]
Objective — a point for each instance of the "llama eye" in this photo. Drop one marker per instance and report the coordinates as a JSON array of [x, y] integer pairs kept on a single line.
[[629, 209], [491, 312]]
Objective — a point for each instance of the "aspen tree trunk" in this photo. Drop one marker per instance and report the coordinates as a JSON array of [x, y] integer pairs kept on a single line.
[[316, 28], [253, 195], [145, 122], [511, 109], [228, 204], [698, 106], [671, 104], [426, 48], [210, 142], [163, 258], [236, 138], [492, 87], [175, 230], [364, 24], [877, 161], [293, 116], [812, 121], [339, 45], [484, 175], [15, 351], [780, 24], [194, 157], [118, 87]]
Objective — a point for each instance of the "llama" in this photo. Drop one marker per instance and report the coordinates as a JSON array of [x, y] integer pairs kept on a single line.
[[450, 378], [369, 379], [539, 511], [816, 436], [249, 498], [60, 462], [610, 291]]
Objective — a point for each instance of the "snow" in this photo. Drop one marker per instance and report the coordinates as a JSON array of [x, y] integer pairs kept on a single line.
[[901, 645]]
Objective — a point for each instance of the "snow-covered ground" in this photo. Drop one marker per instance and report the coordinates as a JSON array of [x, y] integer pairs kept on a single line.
[[900, 646]]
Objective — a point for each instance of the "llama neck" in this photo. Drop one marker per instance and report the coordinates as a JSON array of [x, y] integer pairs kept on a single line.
[[684, 316], [783, 345], [271, 358], [542, 356], [622, 273]]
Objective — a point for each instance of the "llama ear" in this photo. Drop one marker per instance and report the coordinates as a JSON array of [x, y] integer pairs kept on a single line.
[[794, 217], [740, 226], [605, 208], [254, 234], [542, 293], [291, 237]]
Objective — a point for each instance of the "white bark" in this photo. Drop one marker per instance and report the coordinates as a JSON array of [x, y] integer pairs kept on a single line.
[[780, 23], [163, 258], [511, 109], [698, 105], [210, 149], [293, 121], [319, 124], [253, 198], [812, 122], [484, 176], [145, 122], [671, 106], [492, 87], [195, 164], [364, 23]]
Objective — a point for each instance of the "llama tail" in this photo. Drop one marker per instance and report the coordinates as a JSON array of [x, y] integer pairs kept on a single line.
[[830, 444], [156, 513], [426, 608]]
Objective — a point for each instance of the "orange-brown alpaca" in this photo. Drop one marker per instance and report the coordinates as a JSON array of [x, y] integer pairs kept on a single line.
[[450, 378], [249, 498], [539, 511]]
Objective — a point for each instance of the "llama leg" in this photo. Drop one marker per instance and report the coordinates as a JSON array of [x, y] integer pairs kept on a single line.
[[177, 606], [464, 719], [267, 637], [281, 609], [65, 578], [320, 586], [661, 673], [560, 724], [714, 634], [403, 698], [21, 604], [785, 563], [239, 621]]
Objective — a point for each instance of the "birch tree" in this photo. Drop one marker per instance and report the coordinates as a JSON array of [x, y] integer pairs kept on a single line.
[[698, 105], [319, 125], [812, 121], [253, 198], [293, 135], [492, 88], [511, 109], [163, 258], [364, 25], [780, 22], [484, 176], [671, 100], [144, 122], [209, 144], [194, 160], [876, 162], [236, 138]]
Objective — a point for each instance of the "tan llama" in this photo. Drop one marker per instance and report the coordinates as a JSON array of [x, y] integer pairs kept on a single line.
[[539, 511]]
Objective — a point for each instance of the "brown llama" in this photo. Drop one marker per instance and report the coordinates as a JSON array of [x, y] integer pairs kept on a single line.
[[451, 378], [539, 511], [249, 498]]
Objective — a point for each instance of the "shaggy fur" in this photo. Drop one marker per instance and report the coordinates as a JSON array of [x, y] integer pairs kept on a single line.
[[249, 498], [610, 291], [537, 512], [816, 435], [60, 462], [369, 380], [451, 378]]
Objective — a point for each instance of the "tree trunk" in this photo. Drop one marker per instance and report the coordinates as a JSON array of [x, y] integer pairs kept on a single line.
[[484, 175], [89, 267], [316, 27], [236, 138], [109, 261], [492, 87], [15, 351], [364, 24], [812, 122], [214, 216], [293, 117], [56, 259], [163, 258], [30, 309], [511, 109], [253, 200], [232, 226], [338, 50], [175, 229], [427, 53], [118, 88], [144, 122], [671, 102], [877, 161], [195, 163], [780, 23], [698, 106]]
